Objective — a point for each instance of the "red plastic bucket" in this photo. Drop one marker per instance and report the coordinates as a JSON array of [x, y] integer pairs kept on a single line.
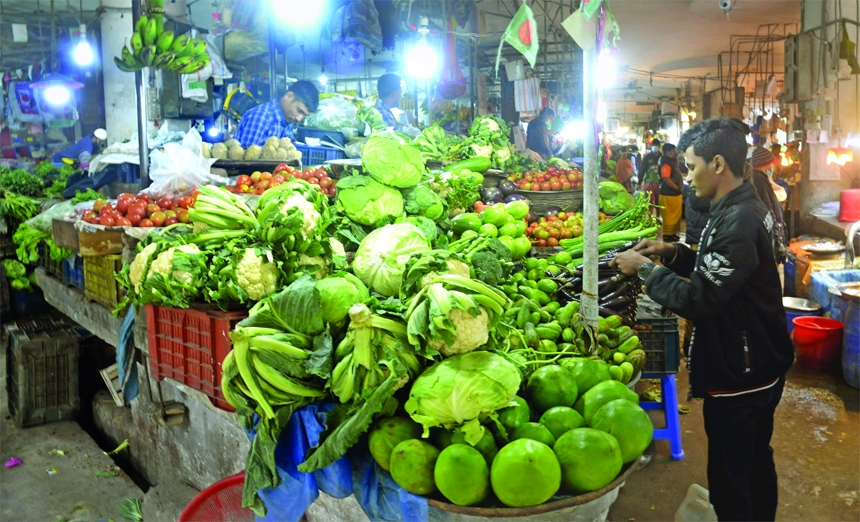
[[849, 205], [818, 341]]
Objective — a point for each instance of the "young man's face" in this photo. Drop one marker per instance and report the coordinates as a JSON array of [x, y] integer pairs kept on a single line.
[[701, 176], [294, 110]]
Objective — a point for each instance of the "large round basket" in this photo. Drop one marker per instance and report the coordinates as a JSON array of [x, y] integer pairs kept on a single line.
[[493, 177], [567, 200], [552, 510]]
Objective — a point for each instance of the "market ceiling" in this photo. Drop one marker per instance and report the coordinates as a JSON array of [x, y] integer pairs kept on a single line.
[[674, 39]]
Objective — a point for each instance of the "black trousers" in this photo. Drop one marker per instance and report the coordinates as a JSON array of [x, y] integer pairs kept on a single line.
[[741, 472]]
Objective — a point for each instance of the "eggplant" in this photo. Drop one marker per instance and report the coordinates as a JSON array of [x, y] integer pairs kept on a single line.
[[514, 197], [552, 210], [491, 193], [532, 217], [507, 187], [616, 295]]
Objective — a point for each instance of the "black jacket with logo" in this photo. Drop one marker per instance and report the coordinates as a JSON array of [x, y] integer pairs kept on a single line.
[[734, 298]]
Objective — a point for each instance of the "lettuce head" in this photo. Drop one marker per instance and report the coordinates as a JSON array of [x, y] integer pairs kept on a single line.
[[368, 202], [421, 200], [393, 161], [614, 198]]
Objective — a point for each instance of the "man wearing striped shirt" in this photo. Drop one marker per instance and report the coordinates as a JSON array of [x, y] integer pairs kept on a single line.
[[278, 117], [740, 350]]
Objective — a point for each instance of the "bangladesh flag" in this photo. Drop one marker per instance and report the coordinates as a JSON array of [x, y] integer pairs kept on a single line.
[[522, 35]]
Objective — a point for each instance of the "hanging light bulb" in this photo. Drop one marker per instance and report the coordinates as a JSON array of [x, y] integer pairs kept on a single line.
[[83, 51], [840, 155], [323, 79], [421, 60]]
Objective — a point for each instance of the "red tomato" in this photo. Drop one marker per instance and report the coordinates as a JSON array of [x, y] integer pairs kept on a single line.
[[125, 195], [152, 208], [91, 218], [313, 181], [535, 186], [170, 221], [98, 204], [146, 223], [277, 178], [260, 191], [243, 180], [107, 220], [122, 205], [333, 183], [266, 176], [157, 218], [565, 185], [555, 185], [262, 185], [170, 214], [133, 219], [187, 202], [320, 173], [325, 182], [274, 183], [183, 217], [244, 188], [566, 233], [545, 186], [105, 210], [123, 222], [541, 242], [553, 242], [165, 202], [280, 168], [144, 197], [255, 176], [195, 193]]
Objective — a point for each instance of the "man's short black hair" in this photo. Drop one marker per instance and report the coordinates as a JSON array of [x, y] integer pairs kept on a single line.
[[656, 142], [546, 111], [668, 147], [305, 92], [387, 84], [718, 136]]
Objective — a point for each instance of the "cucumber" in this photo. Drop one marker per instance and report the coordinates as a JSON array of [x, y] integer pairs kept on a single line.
[[476, 164]]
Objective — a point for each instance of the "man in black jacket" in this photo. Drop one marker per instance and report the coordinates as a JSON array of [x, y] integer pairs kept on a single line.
[[740, 350]]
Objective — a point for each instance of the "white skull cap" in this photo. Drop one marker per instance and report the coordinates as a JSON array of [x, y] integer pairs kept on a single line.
[[100, 134]]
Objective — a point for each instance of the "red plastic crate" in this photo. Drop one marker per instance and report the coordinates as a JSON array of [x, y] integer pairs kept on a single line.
[[189, 345]]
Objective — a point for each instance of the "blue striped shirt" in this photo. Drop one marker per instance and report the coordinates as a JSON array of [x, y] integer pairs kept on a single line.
[[262, 122]]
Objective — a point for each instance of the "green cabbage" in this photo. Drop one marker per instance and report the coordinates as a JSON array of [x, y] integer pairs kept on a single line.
[[614, 198], [392, 161], [382, 256], [461, 390], [421, 200], [367, 202], [338, 292]]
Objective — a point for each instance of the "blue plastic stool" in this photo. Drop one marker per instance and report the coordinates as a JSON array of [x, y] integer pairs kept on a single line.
[[669, 404]]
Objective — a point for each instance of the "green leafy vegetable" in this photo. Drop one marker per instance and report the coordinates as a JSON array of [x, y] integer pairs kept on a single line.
[[27, 238], [19, 206], [382, 256], [614, 198], [87, 195], [367, 201], [422, 200], [21, 182], [460, 189], [338, 293], [393, 161], [461, 391]]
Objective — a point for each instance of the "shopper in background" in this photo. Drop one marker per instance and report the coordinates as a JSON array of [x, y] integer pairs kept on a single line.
[[740, 350], [537, 135], [84, 149], [649, 174], [764, 161], [671, 195], [636, 159], [624, 169], [278, 117], [769, 193], [390, 94]]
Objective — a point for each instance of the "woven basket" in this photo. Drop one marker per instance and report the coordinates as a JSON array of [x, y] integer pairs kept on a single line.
[[568, 200], [493, 177]]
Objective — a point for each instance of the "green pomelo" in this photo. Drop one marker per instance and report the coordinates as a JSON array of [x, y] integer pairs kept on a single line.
[[486, 446], [561, 419], [412, 463], [513, 417], [525, 473], [587, 372], [628, 423], [551, 386], [589, 459], [462, 475], [534, 431], [606, 391], [387, 434]]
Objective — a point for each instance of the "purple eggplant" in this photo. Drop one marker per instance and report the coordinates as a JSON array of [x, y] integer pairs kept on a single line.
[[507, 187], [491, 193], [552, 210], [514, 197], [498, 199], [533, 217]]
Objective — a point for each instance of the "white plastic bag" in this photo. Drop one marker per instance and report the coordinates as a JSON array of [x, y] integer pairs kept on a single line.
[[180, 167]]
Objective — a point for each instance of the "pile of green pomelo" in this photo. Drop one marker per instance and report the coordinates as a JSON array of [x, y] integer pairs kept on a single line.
[[571, 432]]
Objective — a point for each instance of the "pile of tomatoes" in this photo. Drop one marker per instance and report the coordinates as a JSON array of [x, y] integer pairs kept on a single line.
[[141, 211], [259, 182], [551, 179], [549, 230]]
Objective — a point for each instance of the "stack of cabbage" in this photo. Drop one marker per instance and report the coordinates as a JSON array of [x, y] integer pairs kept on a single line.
[[273, 149]]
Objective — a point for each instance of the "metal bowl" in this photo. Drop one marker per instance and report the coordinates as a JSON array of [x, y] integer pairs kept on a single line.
[[797, 304], [849, 291]]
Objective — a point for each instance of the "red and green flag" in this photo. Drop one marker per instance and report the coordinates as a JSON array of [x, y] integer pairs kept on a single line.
[[522, 35]]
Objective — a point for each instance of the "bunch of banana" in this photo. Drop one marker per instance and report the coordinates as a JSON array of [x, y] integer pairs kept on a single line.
[[152, 47]]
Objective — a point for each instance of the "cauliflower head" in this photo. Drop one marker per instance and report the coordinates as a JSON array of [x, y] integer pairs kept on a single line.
[[310, 263], [257, 276], [502, 155], [312, 216], [492, 125], [135, 273], [336, 247], [472, 332], [484, 151], [455, 267], [163, 264]]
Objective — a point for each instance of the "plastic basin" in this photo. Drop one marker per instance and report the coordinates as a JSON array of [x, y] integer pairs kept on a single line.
[[818, 341]]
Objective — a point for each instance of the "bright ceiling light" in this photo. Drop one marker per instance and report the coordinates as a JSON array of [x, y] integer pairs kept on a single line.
[[323, 79], [298, 14], [83, 51], [421, 61], [605, 70], [57, 94], [213, 132], [575, 130]]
